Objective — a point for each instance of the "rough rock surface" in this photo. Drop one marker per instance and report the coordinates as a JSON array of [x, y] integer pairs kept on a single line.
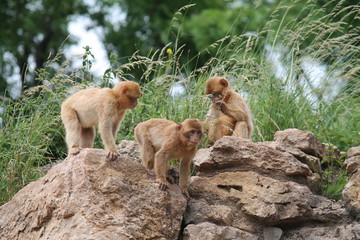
[[353, 160], [319, 232], [232, 153], [241, 190], [89, 197], [351, 191], [130, 150], [210, 231], [270, 188], [270, 202], [239, 154], [303, 140]]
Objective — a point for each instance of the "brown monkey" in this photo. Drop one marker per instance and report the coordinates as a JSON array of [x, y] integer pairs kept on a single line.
[[161, 140], [105, 107], [229, 114]]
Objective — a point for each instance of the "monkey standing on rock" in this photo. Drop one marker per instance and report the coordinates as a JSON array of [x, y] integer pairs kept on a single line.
[[105, 107], [161, 140], [229, 114]]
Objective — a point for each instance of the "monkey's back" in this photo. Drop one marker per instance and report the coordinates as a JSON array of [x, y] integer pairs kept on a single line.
[[156, 130], [86, 102]]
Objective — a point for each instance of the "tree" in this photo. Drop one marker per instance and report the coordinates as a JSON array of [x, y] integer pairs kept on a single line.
[[31, 30]]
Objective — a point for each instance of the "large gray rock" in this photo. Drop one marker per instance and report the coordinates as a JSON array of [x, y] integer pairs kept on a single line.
[[268, 200], [130, 150], [354, 151], [238, 154], [343, 231], [353, 160], [199, 211], [303, 140], [351, 192], [233, 153], [210, 231], [89, 197], [312, 162]]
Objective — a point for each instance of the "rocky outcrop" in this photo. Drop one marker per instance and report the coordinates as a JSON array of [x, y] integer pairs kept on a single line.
[[241, 190], [351, 192], [269, 189], [89, 197], [303, 140]]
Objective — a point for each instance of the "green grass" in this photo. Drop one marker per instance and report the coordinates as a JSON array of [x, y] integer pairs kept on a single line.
[[33, 135]]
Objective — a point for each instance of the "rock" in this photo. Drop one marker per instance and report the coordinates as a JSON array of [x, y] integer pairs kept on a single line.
[[354, 151], [89, 197], [353, 160], [344, 232], [199, 211], [239, 154], [272, 233], [130, 150], [352, 164], [303, 140], [351, 194], [311, 161], [256, 200], [210, 231]]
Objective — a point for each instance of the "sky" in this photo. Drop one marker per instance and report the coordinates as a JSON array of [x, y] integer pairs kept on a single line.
[[91, 38]]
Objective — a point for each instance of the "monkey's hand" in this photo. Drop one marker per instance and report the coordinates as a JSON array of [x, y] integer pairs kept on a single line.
[[75, 151], [221, 105], [112, 155], [186, 193]]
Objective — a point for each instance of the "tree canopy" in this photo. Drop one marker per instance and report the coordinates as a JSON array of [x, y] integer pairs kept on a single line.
[[34, 29]]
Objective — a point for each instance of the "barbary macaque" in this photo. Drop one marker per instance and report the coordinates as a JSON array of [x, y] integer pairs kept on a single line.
[[229, 115], [161, 140], [104, 107]]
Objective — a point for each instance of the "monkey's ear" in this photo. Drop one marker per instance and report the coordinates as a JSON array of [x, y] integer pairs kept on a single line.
[[178, 127], [224, 82], [124, 90]]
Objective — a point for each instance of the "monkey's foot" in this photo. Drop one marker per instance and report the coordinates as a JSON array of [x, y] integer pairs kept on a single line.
[[112, 155], [74, 151], [186, 194], [163, 186]]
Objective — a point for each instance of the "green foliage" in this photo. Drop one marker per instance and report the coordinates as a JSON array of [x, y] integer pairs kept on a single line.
[[30, 136], [334, 176], [32, 30]]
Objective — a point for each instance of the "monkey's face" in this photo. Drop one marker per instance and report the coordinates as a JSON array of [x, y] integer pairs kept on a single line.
[[192, 131], [216, 96], [193, 137], [132, 94], [133, 102], [216, 87]]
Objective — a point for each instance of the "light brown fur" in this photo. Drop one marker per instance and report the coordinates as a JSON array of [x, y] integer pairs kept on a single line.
[[229, 115], [104, 107], [161, 140]]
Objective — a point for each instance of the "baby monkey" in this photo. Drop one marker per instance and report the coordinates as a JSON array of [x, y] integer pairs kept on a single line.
[[161, 140], [229, 115]]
